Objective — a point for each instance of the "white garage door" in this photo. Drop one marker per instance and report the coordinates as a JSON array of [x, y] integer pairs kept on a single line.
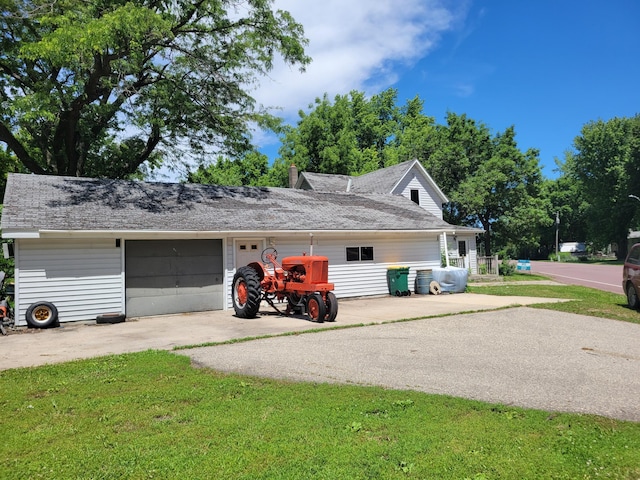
[[173, 276]]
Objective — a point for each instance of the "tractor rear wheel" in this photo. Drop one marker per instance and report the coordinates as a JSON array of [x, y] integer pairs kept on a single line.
[[332, 307], [247, 292], [315, 308]]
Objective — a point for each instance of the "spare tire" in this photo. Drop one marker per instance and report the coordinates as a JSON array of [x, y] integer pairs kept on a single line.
[[110, 318], [42, 315]]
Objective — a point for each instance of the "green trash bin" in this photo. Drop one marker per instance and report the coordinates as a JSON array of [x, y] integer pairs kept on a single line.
[[398, 281]]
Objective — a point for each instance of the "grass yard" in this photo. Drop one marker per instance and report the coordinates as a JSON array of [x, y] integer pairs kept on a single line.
[[152, 415], [585, 301]]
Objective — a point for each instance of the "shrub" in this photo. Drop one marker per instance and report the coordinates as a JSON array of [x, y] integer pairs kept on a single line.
[[506, 267]]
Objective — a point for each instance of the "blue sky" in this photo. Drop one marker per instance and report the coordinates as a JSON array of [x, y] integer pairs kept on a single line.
[[546, 67]]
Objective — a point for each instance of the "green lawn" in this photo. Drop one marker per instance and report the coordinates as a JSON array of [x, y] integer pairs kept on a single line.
[[584, 300], [153, 415]]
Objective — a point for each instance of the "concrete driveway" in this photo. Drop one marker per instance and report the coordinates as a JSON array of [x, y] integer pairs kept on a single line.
[[521, 356], [513, 356], [84, 340]]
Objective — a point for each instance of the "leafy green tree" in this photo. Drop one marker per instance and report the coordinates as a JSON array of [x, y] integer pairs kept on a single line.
[[569, 201], [607, 163], [251, 169], [490, 182], [103, 88], [417, 135], [348, 136]]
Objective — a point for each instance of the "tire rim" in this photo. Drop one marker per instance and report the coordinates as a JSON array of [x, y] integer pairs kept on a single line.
[[242, 293], [314, 309], [41, 314]]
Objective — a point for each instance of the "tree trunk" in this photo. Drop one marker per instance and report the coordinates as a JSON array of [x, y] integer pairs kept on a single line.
[[621, 254]]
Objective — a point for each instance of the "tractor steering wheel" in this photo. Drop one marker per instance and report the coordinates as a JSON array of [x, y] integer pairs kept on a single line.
[[268, 251]]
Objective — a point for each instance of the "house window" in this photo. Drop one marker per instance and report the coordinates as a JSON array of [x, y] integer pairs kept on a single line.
[[366, 254], [359, 254], [415, 196], [462, 248]]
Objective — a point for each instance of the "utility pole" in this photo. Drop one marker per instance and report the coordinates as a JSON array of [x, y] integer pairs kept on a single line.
[[557, 229]]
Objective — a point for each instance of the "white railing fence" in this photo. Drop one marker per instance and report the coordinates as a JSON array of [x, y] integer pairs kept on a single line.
[[457, 262], [488, 265]]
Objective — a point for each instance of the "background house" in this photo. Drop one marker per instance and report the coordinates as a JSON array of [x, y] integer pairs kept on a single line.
[[410, 180], [93, 246]]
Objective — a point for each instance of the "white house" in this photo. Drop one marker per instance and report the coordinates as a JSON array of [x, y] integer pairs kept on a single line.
[[93, 246], [410, 180]]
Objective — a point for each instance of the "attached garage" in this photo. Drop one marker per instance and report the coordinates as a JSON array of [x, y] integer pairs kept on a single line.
[[173, 276], [95, 246]]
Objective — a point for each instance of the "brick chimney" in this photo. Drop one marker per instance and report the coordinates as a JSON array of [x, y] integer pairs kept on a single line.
[[293, 176]]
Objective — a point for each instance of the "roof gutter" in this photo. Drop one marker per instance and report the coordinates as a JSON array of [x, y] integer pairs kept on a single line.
[[213, 233], [20, 234]]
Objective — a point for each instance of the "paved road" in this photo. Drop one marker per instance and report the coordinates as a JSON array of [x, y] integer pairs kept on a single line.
[[602, 277], [526, 357]]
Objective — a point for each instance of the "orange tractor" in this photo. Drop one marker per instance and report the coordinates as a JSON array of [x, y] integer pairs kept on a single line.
[[300, 280]]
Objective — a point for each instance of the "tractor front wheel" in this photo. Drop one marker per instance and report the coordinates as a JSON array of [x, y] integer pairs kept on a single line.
[[247, 292], [332, 307], [315, 308]]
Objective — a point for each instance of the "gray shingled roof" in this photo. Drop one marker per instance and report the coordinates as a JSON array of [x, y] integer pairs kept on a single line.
[[379, 181], [324, 182], [35, 203]]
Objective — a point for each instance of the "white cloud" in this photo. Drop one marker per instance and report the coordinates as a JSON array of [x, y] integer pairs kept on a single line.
[[355, 45]]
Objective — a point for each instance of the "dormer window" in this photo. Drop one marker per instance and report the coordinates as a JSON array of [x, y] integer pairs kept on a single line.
[[415, 196]]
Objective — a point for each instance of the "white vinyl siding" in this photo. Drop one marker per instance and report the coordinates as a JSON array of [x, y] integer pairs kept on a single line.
[[83, 279], [428, 197], [355, 279]]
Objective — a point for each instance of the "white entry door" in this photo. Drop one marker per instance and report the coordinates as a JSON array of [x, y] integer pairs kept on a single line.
[[248, 251]]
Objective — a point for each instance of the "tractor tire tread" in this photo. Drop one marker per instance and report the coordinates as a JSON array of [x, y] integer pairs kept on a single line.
[[254, 292]]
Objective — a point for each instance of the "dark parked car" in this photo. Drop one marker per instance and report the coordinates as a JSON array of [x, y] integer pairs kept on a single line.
[[631, 276]]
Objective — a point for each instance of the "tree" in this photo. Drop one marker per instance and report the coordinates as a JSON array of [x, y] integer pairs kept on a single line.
[[251, 169], [607, 163], [101, 88], [569, 201], [490, 182], [348, 136]]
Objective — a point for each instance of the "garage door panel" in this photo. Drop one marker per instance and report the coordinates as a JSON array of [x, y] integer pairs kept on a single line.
[[168, 292], [156, 282], [170, 248], [164, 304], [173, 276], [156, 266], [196, 265]]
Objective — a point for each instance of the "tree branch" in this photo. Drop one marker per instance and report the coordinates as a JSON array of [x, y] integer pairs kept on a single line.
[[12, 142], [152, 143]]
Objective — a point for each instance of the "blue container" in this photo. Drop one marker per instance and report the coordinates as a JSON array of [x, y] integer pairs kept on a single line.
[[451, 279]]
